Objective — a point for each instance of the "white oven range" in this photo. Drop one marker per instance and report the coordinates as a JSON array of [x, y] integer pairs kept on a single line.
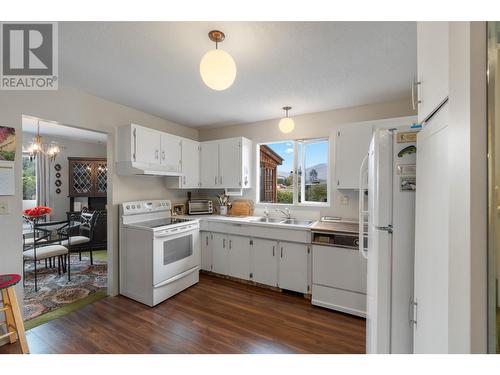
[[159, 254]]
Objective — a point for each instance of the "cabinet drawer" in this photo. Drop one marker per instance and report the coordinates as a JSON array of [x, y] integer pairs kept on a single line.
[[340, 300]]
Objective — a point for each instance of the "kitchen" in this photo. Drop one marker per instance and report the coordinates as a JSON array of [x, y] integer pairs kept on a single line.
[[171, 240]]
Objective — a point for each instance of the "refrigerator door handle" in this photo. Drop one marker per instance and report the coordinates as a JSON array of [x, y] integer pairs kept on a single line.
[[363, 172]]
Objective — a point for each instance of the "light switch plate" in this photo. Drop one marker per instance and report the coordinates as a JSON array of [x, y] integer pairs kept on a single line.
[[4, 208]]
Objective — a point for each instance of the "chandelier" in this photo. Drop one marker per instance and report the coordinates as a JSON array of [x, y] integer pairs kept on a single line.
[[37, 147]]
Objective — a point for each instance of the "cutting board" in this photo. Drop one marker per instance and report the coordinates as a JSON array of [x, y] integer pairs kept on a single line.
[[241, 207]]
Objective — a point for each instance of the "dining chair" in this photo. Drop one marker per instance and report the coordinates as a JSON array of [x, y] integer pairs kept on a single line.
[[47, 243], [83, 241]]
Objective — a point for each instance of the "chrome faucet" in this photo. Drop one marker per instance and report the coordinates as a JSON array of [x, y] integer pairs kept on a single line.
[[286, 212], [266, 212]]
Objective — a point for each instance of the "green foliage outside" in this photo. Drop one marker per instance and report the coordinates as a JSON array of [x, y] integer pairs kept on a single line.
[[316, 193], [29, 179], [7, 155], [284, 196]]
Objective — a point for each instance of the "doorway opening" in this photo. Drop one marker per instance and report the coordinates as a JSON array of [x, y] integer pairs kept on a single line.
[[65, 190]]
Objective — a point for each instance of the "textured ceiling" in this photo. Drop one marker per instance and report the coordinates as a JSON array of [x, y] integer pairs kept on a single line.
[[312, 66], [48, 128]]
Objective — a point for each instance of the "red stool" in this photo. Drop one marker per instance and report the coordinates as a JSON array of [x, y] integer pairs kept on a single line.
[[13, 318]]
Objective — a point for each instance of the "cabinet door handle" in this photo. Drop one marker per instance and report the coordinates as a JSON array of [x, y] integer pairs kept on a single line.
[[215, 180], [163, 155], [273, 251], [135, 144], [207, 240], [184, 180], [223, 243], [156, 154], [220, 179], [281, 251], [230, 244], [414, 85]]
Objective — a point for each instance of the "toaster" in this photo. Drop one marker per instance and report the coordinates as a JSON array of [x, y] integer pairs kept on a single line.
[[200, 206]]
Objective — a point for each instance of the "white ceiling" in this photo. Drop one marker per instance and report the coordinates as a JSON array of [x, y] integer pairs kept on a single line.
[[48, 128], [312, 66]]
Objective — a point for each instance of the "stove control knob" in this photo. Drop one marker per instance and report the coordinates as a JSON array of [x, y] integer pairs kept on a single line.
[[127, 207]]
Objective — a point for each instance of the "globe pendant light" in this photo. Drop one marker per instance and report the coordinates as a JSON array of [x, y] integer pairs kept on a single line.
[[217, 67], [286, 123]]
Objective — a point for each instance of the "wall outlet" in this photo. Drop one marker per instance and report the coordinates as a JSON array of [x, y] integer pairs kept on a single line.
[[4, 208], [344, 200]]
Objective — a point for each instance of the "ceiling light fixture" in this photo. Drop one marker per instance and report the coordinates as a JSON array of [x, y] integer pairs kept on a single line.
[[217, 67], [286, 123], [37, 147]]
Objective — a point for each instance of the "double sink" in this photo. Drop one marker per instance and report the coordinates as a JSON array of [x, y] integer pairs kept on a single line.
[[301, 222]]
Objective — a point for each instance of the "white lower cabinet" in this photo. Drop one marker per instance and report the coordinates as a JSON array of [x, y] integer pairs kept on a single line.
[[239, 256], [276, 263], [206, 251], [265, 261], [220, 259], [293, 266]]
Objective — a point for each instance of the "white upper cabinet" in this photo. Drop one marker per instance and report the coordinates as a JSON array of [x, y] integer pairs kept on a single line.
[[170, 155], [351, 146], [230, 162], [226, 163], [209, 165], [146, 151], [147, 145], [431, 85], [190, 161], [190, 164]]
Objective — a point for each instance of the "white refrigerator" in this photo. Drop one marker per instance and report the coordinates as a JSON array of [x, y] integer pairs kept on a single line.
[[387, 185]]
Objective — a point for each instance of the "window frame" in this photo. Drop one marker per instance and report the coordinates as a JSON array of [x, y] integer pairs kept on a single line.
[[295, 183]]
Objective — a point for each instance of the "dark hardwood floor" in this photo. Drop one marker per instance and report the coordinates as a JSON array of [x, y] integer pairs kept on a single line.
[[214, 316]]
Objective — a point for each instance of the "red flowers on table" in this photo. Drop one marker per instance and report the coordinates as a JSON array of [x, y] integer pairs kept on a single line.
[[37, 211]]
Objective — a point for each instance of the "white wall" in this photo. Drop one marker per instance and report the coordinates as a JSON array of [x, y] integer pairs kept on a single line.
[[69, 148], [467, 158], [74, 108], [315, 125]]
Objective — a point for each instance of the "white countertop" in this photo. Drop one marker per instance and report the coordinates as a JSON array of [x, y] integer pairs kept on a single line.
[[248, 220]]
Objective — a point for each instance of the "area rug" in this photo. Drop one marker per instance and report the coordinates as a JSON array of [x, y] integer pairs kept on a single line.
[[58, 296]]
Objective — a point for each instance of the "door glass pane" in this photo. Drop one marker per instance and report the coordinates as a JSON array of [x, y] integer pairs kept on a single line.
[[494, 186], [177, 249]]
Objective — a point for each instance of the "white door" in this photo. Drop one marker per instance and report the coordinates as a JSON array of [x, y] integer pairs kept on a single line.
[[265, 261], [220, 256], [239, 257], [206, 251], [147, 145], [431, 238], [171, 152], [230, 163], [380, 174], [293, 265], [209, 164], [190, 164], [432, 65], [351, 144]]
